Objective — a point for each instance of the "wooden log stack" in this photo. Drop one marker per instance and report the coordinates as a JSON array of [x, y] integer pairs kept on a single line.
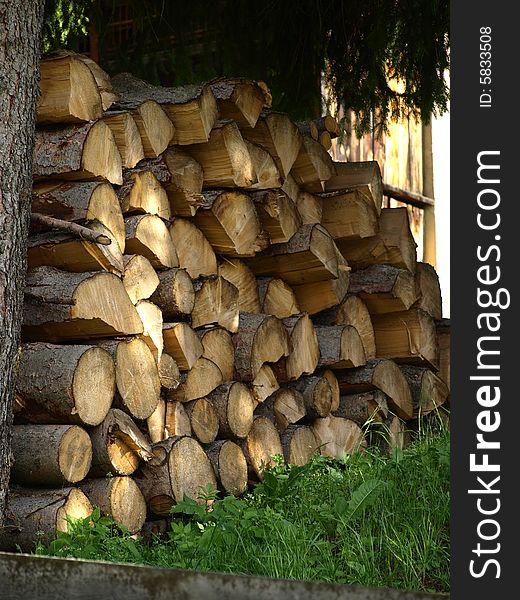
[[218, 291]]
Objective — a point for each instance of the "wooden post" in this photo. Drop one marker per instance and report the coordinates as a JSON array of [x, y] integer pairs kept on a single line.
[[429, 248]]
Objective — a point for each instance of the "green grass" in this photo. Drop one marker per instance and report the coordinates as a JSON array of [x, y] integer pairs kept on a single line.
[[368, 519]]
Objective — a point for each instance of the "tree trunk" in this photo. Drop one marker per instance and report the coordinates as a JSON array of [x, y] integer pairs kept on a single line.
[[20, 29]]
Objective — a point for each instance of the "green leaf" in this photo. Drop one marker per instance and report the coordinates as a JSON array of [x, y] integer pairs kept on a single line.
[[365, 495]]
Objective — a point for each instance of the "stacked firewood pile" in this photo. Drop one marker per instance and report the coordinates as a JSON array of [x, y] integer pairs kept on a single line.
[[206, 289]]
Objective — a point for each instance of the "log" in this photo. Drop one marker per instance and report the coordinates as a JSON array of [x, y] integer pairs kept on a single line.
[[349, 215], [336, 436], [139, 278], [175, 294], [276, 133], [428, 390], [50, 455], [329, 375], [230, 466], [277, 298], [68, 384], [169, 374], [118, 446], [340, 347], [384, 288], [142, 193], [308, 128], [393, 434], [299, 444], [317, 395], [240, 275], [224, 158], [313, 166], [261, 445], [234, 405], [393, 245], [309, 256], [186, 238], [326, 123], [264, 384], [241, 100], [265, 169], [278, 214], [363, 409], [384, 375], [203, 419], [36, 514], [155, 424], [198, 382], [152, 319], [68, 92], [137, 376], [325, 140], [216, 303], [182, 343], [429, 290], [443, 330], [287, 406], [127, 137], [176, 420], [39, 221], [260, 339], [192, 108], [310, 207], [291, 188], [118, 498], [230, 222], [407, 336], [350, 175], [80, 202], [148, 235], [305, 353], [85, 152], [217, 346]]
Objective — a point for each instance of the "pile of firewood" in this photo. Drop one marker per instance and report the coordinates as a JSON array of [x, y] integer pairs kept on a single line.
[[206, 289]]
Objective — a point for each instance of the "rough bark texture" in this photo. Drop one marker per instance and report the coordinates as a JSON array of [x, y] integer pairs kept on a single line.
[[20, 30]]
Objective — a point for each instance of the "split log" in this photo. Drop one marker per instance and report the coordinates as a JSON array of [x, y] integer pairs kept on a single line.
[[357, 174], [234, 405], [80, 202], [39, 514], [104, 85], [261, 445], [329, 375], [118, 498], [276, 133], [175, 294], [313, 166], [192, 108], [137, 376], [127, 137], [118, 446], [309, 256], [264, 384], [176, 420], [216, 303], [260, 339], [340, 347], [352, 311], [68, 92], [86, 151], [336, 436], [240, 275], [277, 298], [299, 444], [169, 374], [384, 288], [384, 375], [203, 419], [155, 423], [217, 346], [291, 188], [393, 245], [364, 408], [50, 455], [198, 382], [143, 193], [224, 158], [194, 252], [428, 390], [287, 406], [278, 214], [317, 395], [349, 215], [148, 235], [182, 343], [230, 466], [68, 384], [305, 353], [230, 222], [408, 336], [393, 434], [241, 100], [265, 169], [152, 319], [443, 330], [310, 207], [429, 290], [139, 278]]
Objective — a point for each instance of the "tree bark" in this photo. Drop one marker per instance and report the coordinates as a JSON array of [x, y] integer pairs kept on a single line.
[[20, 31]]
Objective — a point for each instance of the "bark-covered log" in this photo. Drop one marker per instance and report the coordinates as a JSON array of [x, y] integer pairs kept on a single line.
[[429, 290], [204, 419], [336, 436], [174, 295], [364, 408], [340, 347], [299, 444], [287, 406], [241, 100], [354, 174], [428, 390], [316, 393], [277, 298], [349, 215], [230, 466], [234, 405], [261, 445]]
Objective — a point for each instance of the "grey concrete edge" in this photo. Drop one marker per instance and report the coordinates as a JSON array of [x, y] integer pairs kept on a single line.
[[28, 577]]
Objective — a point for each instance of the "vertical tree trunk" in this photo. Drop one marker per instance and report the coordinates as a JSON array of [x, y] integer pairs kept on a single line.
[[20, 31]]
